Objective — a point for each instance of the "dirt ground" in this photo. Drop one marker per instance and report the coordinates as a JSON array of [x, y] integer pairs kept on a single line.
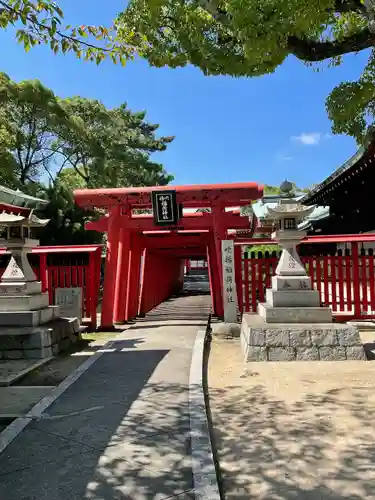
[[293, 430]]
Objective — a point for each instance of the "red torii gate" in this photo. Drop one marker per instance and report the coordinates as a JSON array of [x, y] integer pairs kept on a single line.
[[145, 262]]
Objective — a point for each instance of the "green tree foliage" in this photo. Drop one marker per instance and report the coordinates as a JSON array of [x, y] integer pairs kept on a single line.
[[254, 37], [105, 147], [42, 22], [54, 145], [262, 249], [221, 37]]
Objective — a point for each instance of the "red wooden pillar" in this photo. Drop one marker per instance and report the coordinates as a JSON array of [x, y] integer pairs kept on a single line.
[[238, 275], [217, 303], [97, 264], [122, 275], [91, 292], [146, 295], [219, 235], [210, 278], [356, 281], [142, 280], [181, 276], [43, 272], [134, 272], [110, 269]]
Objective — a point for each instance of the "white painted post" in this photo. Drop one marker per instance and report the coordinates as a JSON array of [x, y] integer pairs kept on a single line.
[[229, 282]]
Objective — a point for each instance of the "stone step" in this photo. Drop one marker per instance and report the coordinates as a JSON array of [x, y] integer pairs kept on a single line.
[[293, 298], [295, 314], [29, 318]]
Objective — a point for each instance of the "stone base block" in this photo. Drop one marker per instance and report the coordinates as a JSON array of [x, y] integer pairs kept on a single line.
[[24, 302], [23, 288], [38, 342], [281, 283], [261, 341], [226, 330], [293, 298], [295, 314], [29, 318]]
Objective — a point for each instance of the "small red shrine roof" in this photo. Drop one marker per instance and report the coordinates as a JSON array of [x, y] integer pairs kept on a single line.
[[60, 249]]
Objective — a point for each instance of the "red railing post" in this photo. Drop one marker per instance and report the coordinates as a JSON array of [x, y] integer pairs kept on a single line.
[[43, 271], [356, 281]]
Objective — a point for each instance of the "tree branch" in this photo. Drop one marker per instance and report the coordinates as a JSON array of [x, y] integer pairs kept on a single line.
[[313, 51], [38, 24]]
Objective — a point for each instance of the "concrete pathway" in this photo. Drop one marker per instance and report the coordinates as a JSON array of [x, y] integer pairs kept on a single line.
[[121, 431]]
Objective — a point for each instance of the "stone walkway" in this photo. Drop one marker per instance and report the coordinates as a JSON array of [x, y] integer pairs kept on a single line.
[[121, 431]]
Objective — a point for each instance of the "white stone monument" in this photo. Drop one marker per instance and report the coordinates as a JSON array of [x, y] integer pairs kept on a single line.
[[291, 324], [229, 282]]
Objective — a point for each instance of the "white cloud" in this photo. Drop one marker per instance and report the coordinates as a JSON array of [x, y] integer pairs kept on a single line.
[[310, 139]]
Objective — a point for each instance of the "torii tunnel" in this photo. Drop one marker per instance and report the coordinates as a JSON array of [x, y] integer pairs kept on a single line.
[[144, 261]]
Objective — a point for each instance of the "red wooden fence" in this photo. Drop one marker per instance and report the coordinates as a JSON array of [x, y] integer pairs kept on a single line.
[[345, 278]]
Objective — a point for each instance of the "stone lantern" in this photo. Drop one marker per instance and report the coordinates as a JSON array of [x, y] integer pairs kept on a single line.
[[287, 216], [30, 328], [22, 302], [292, 324], [18, 235]]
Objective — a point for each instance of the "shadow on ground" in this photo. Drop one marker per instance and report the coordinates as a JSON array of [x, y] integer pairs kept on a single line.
[[106, 443], [121, 431], [277, 442]]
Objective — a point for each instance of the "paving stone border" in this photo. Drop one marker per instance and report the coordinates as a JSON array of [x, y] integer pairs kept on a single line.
[[334, 342], [204, 472]]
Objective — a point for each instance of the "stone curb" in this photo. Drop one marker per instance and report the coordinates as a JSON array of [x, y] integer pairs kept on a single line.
[[204, 472], [17, 426]]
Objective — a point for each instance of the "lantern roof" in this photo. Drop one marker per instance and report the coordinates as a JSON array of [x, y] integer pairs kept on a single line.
[[16, 220], [290, 208]]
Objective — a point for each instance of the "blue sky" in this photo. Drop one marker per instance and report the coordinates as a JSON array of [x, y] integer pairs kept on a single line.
[[227, 130]]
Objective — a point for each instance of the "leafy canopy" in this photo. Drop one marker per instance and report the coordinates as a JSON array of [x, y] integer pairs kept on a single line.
[[53, 146], [222, 37], [42, 22], [41, 135], [253, 37]]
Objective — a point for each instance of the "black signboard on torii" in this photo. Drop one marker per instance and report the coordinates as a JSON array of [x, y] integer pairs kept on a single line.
[[165, 208]]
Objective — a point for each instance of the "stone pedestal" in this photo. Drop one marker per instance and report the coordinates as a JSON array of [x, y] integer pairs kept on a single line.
[[38, 342], [262, 341], [291, 325]]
